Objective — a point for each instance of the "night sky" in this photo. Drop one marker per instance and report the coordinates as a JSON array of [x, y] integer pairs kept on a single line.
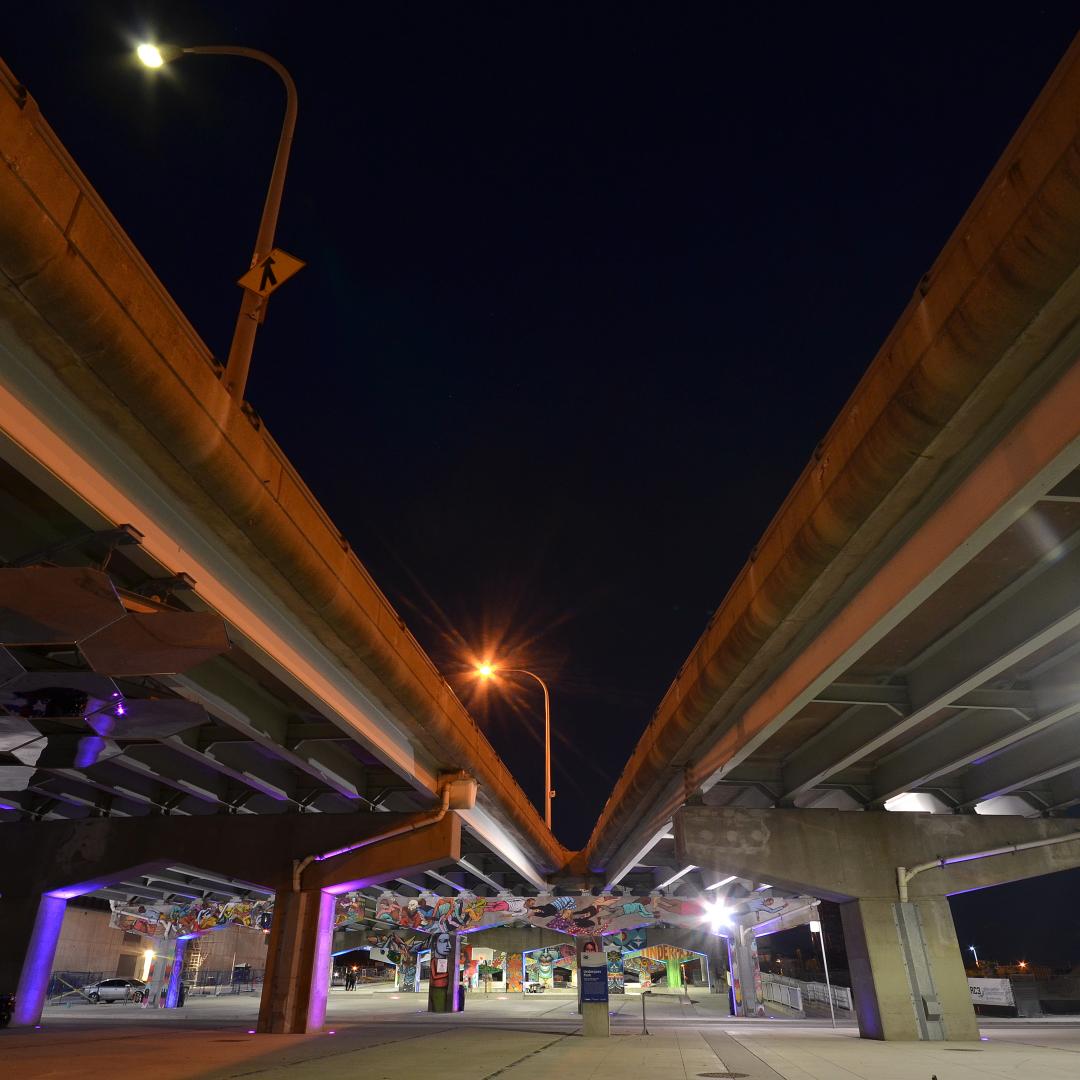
[[586, 285]]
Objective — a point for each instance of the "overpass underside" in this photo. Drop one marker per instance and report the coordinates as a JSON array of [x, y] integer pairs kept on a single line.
[[906, 634]]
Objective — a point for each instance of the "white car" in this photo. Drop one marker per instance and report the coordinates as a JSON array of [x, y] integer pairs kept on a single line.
[[110, 990]]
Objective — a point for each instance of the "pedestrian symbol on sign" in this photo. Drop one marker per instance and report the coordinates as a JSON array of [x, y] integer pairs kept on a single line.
[[271, 272]]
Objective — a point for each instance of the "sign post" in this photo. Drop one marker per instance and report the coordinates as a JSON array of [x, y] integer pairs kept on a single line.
[[593, 974]]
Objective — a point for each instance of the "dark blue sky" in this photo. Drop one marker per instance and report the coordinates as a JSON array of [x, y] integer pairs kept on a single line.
[[586, 283]]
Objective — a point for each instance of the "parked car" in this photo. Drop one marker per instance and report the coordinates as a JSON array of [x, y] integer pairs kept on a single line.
[[110, 990]]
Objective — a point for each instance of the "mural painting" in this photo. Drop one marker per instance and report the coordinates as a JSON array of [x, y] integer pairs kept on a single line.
[[190, 918], [615, 976], [575, 915], [515, 972], [621, 917], [441, 985], [541, 964]]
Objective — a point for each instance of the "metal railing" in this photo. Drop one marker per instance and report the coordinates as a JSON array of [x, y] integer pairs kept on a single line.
[[796, 993]]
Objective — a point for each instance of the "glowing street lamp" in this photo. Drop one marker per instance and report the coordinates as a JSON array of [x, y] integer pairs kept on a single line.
[[975, 954], [253, 306], [487, 671], [719, 915]]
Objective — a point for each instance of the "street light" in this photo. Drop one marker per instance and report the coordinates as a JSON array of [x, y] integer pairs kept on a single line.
[[815, 928], [253, 306], [975, 954], [488, 671]]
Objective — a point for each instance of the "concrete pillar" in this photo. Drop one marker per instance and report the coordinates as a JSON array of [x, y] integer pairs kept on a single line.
[[515, 973], [907, 972], [445, 973], [674, 973], [745, 973], [176, 973], [298, 963], [407, 977], [27, 947]]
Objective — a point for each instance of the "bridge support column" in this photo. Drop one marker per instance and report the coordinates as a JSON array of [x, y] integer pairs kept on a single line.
[[445, 975], [907, 974], [27, 947], [745, 973], [176, 973], [298, 963], [906, 963]]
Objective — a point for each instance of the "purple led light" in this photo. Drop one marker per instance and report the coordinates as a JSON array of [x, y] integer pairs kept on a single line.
[[251, 1031], [172, 992], [71, 891], [337, 851], [90, 748], [34, 980], [320, 979]]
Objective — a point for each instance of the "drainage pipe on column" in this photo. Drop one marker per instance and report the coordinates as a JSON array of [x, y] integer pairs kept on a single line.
[[904, 874]]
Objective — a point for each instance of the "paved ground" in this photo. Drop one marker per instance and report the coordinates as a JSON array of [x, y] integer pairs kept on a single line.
[[386, 1037]]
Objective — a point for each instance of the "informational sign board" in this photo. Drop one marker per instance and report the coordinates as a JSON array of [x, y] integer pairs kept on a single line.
[[991, 992], [594, 984]]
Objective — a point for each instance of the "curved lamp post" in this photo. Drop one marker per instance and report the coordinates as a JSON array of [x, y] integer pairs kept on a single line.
[[489, 671], [253, 306]]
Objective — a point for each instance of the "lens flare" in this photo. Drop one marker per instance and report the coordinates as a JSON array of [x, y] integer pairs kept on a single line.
[[150, 55]]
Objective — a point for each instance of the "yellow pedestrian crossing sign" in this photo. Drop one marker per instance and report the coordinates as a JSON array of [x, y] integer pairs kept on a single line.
[[271, 272]]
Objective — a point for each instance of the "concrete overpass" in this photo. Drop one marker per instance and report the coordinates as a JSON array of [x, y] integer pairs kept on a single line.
[[160, 551], [905, 628], [907, 631]]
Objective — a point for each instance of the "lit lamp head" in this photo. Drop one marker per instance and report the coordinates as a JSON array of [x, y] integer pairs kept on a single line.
[[155, 56], [485, 671], [719, 915]]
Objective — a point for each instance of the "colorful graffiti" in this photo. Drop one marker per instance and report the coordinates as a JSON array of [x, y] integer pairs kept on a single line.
[[191, 918], [515, 972], [616, 980], [589, 915], [624, 917]]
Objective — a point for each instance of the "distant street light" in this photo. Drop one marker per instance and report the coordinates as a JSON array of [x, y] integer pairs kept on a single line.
[[815, 928], [253, 306], [488, 671], [975, 954]]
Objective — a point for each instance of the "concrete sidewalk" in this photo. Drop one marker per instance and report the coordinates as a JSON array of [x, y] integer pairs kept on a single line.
[[464, 1052], [392, 1037]]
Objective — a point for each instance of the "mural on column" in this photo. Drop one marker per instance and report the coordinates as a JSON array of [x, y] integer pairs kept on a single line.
[[615, 977], [442, 949], [408, 973], [540, 963], [515, 972]]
